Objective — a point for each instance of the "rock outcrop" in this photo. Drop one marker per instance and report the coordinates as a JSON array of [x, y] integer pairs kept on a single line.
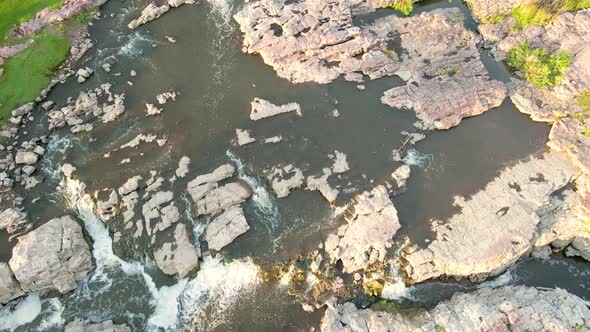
[[79, 325], [510, 308], [285, 179], [263, 109], [223, 197], [527, 205], [314, 40], [367, 235], [53, 256], [446, 79], [179, 255], [226, 227], [153, 11]]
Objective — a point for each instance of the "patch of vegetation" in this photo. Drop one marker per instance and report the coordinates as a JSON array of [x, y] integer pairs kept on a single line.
[[495, 19], [543, 12], [439, 329], [373, 287], [13, 12], [450, 71], [584, 100], [583, 327], [390, 53], [541, 68], [403, 6], [29, 72]]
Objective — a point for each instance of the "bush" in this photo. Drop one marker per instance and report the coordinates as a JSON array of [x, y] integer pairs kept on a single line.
[[540, 68], [403, 6], [584, 100], [543, 12]]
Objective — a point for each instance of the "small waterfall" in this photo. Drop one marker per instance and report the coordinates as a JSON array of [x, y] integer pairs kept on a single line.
[[395, 288], [55, 151], [165, 314], [25, 312], [266, 208], [207, 298], [198, 227]]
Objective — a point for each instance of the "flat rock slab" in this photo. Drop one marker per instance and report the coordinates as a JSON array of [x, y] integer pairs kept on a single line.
[[314, 40], [497, 225], [226, 227], [364, 240], [9, 287], [53, 256], [446, 79], [510, 308], [179, 255]]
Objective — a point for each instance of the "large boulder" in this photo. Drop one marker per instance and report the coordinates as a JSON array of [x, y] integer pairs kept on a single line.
[[226, 228], [53, 256], [9, 287], [222, 198], [178, 256], [368, 234]]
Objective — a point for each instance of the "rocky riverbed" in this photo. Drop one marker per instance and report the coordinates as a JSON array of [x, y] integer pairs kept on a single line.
[[279, 165]]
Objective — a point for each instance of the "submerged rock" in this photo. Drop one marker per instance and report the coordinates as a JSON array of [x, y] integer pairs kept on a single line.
[[53, 256], [182, 169], [364, 240], [527, 205], [510, 308], [340, 163], [178, 256], [226, 227]]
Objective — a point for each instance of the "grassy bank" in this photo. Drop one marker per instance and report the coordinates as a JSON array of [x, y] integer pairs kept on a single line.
[[14, 12], [29, 72]]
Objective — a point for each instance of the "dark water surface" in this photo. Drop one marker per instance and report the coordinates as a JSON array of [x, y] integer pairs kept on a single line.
[[216, 83]]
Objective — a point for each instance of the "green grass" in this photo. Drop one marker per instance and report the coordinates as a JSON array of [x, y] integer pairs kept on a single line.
[[450, 71], [29, 72], [543, 12], [584, 100], [390, 53], [13, 12], [403, 6], [540, 68]]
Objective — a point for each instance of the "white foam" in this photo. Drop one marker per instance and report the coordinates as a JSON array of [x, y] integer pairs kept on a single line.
[[396, 290], [132, 48], [416, 158], [166, 310], [218, 285], [25, 312], [261, 198], [54, 312]]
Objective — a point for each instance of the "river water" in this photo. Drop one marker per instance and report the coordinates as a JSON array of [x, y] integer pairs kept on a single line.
[[216, 83]]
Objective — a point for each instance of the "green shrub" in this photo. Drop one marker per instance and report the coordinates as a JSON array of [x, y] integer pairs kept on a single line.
[[540, 68], [390, 53], [403, 6], [543, 12], [28, 72], [584, 100]]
